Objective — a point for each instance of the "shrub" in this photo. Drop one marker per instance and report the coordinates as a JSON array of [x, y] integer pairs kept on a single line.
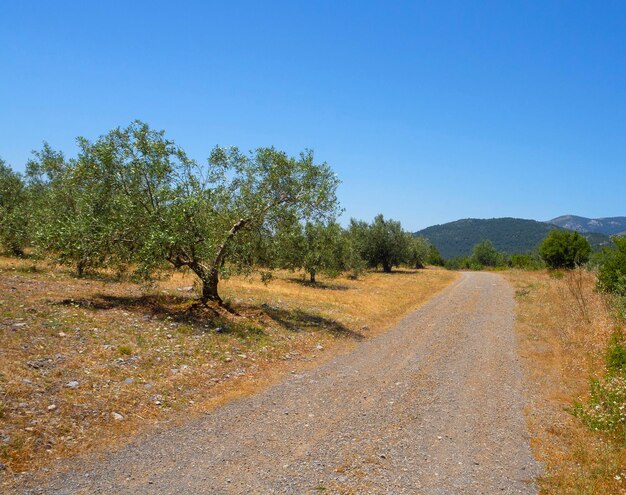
[[434, 257], [564, 249], [527, 262], [605, 409], [612, 268]]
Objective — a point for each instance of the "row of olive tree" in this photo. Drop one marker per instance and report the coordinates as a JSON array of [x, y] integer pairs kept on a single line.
[[133, 200], [327, 248]]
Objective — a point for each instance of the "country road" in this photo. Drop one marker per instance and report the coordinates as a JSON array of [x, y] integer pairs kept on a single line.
[[434, 406]]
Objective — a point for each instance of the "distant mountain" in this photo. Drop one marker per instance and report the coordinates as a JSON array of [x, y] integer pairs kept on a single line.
[[607, 226], [509, 235]]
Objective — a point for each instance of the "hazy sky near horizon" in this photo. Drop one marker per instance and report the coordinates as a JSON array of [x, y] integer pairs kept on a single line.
[[428, 111]]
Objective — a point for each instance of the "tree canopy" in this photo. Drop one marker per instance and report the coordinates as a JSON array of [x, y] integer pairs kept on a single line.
[[564, 249]]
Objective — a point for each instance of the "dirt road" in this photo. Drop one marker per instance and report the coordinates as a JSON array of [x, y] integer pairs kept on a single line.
[[432, 407]]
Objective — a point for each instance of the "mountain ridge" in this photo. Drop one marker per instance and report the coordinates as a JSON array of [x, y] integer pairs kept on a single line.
[[508, 234], [603, 225]]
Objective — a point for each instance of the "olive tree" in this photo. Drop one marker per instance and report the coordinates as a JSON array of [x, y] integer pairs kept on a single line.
[[419, 251], [14, 212], [315, 247], [383, 242]]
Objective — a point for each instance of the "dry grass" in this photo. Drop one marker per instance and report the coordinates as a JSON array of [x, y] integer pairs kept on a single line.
[[563, 327], [86, 362]]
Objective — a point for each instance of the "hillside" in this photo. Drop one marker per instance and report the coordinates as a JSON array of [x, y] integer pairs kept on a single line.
[[510, 235], [607, 226]]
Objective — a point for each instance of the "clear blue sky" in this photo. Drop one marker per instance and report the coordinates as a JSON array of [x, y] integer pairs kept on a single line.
[[428, 111]]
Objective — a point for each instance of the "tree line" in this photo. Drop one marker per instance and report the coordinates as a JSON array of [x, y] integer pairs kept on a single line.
[[133, 201]]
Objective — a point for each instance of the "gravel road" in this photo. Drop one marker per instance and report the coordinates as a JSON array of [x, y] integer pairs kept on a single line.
[[434, 406]]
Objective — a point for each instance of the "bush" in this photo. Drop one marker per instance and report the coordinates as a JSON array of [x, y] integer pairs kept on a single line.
[[434, 257], [606, 408], [564, 249], [459, 263], [612, 268], [527, 262]]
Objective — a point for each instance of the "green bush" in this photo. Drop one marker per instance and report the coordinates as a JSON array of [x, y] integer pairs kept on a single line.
[[527, 262], [564, 249], [434, 257], [605, 409], [612, 268]]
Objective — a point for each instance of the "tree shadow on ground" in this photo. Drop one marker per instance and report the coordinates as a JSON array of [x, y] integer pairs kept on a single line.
[[318, 285], [179, 309], [297, 320]]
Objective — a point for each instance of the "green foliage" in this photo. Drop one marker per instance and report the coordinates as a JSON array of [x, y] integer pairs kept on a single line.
[[605, 409], [381, 243], [315, 247], [527, 262], [612, 268], [616, 354], [434, 257], [564, 249], [419, 251], [133, 199], [14, 211], [76, 208], [458, 263], [485, 254]]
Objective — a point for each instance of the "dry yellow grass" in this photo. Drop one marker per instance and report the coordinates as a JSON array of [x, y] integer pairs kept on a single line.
[[563, 326], [86, 362]]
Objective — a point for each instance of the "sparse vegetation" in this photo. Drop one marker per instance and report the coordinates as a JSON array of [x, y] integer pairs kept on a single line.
[[92, 347], [584, 452]]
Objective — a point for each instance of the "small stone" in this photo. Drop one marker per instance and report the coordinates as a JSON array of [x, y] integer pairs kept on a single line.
[[52, 407], [242, 356], [319, 347], [365, 327], [228, 359], [2, 467], [61, 334], [117, 416], [19, 325], [129, 381], [72, 384]]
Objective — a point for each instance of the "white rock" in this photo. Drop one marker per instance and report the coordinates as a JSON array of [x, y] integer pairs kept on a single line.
[[117, 416]]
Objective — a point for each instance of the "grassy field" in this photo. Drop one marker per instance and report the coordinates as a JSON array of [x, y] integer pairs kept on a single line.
[[89, 362], [564, 326]]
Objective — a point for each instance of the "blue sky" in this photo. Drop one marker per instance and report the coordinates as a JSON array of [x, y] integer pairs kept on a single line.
[[428, 111]]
